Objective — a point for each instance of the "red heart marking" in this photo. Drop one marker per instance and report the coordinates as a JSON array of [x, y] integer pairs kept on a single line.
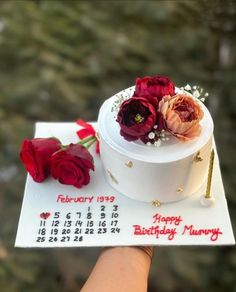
[[45, 215]]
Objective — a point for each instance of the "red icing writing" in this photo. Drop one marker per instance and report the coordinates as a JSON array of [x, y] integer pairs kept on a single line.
[[68, 199], [102, 199], [173, 226], [213, 232], [176, 220], [155, 230], [84, 199]]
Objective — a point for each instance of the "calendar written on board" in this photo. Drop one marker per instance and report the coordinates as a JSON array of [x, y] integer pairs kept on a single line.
[[74, 226], [56, 215]]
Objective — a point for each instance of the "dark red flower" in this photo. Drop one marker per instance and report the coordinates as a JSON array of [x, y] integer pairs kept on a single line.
[[154, 88], [35, 155], [71, 165], [160, 125], [136, 117]]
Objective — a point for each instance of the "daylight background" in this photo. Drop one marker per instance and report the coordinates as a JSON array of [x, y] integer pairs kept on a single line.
[[59, 60]]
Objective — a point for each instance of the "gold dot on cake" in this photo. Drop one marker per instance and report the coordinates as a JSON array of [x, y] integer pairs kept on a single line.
[[197, 157], [129, 164], [112, 177], [156, 203], [180, 189]]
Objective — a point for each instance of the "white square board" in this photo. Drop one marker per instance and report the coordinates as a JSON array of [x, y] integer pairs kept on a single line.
[[56, 215]]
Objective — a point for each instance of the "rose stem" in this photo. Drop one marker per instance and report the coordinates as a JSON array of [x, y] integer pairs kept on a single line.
[[85, 140], [89, 143]]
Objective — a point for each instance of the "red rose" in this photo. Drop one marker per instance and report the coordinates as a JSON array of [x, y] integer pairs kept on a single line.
[[35, 155], [136, 117], [71, 165], [154, 88]]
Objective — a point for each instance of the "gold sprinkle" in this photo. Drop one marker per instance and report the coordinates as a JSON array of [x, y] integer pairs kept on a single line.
[[129, 164], [156, 203], [197, 157], [112, 177], [180, 189]]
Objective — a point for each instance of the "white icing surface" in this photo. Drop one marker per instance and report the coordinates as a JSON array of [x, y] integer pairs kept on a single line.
[[169, 151]]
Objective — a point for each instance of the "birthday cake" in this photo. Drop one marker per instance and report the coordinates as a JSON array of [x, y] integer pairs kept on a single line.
[[156, 140]]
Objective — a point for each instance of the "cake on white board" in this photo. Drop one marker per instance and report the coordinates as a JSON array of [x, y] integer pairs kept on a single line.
[[167, 164]]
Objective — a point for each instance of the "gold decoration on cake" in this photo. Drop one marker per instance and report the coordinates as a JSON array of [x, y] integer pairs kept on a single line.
[[156, 203], [180, 189], [129, 164], [197, 157], [208, 200], [112, 177], [209, 178]]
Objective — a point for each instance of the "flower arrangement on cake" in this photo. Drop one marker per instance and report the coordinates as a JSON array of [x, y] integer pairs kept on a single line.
[[156, 111]]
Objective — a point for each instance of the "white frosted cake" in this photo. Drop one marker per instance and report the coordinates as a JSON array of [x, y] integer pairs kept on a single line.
[[165, 165]]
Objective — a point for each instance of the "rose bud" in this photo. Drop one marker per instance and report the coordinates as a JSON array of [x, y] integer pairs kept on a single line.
[[182, 115], [35, 155], [71, 165], [154, 88], [136, 117]]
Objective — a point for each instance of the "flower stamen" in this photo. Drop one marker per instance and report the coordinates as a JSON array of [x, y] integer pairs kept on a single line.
[[138, 119]]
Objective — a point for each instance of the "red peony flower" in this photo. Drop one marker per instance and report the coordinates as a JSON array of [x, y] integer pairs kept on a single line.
[[154, 88], [35, 155], [71, 165], [136, 117]]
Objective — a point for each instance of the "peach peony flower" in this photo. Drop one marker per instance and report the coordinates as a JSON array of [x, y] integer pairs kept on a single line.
[[182, 115]]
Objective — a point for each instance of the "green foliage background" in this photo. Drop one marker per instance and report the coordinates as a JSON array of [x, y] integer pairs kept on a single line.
[[58, 61]]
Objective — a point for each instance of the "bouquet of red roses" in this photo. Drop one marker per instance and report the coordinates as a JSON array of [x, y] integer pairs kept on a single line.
[[69, 164]]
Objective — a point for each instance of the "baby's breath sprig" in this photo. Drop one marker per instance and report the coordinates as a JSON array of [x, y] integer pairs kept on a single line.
[[156, 138], [120, 97], [117, 103], [197, 92]]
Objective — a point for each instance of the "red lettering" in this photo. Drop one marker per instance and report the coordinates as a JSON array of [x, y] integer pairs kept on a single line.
[[158, 218], [155, 230], [213, 232]]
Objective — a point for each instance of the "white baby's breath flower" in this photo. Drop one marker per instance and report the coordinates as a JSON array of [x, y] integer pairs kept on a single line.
[[162, 135], [206, 94], [196, 93], [151, 135], [157, 143], [194, 87], [148, 144], [187, 87]]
